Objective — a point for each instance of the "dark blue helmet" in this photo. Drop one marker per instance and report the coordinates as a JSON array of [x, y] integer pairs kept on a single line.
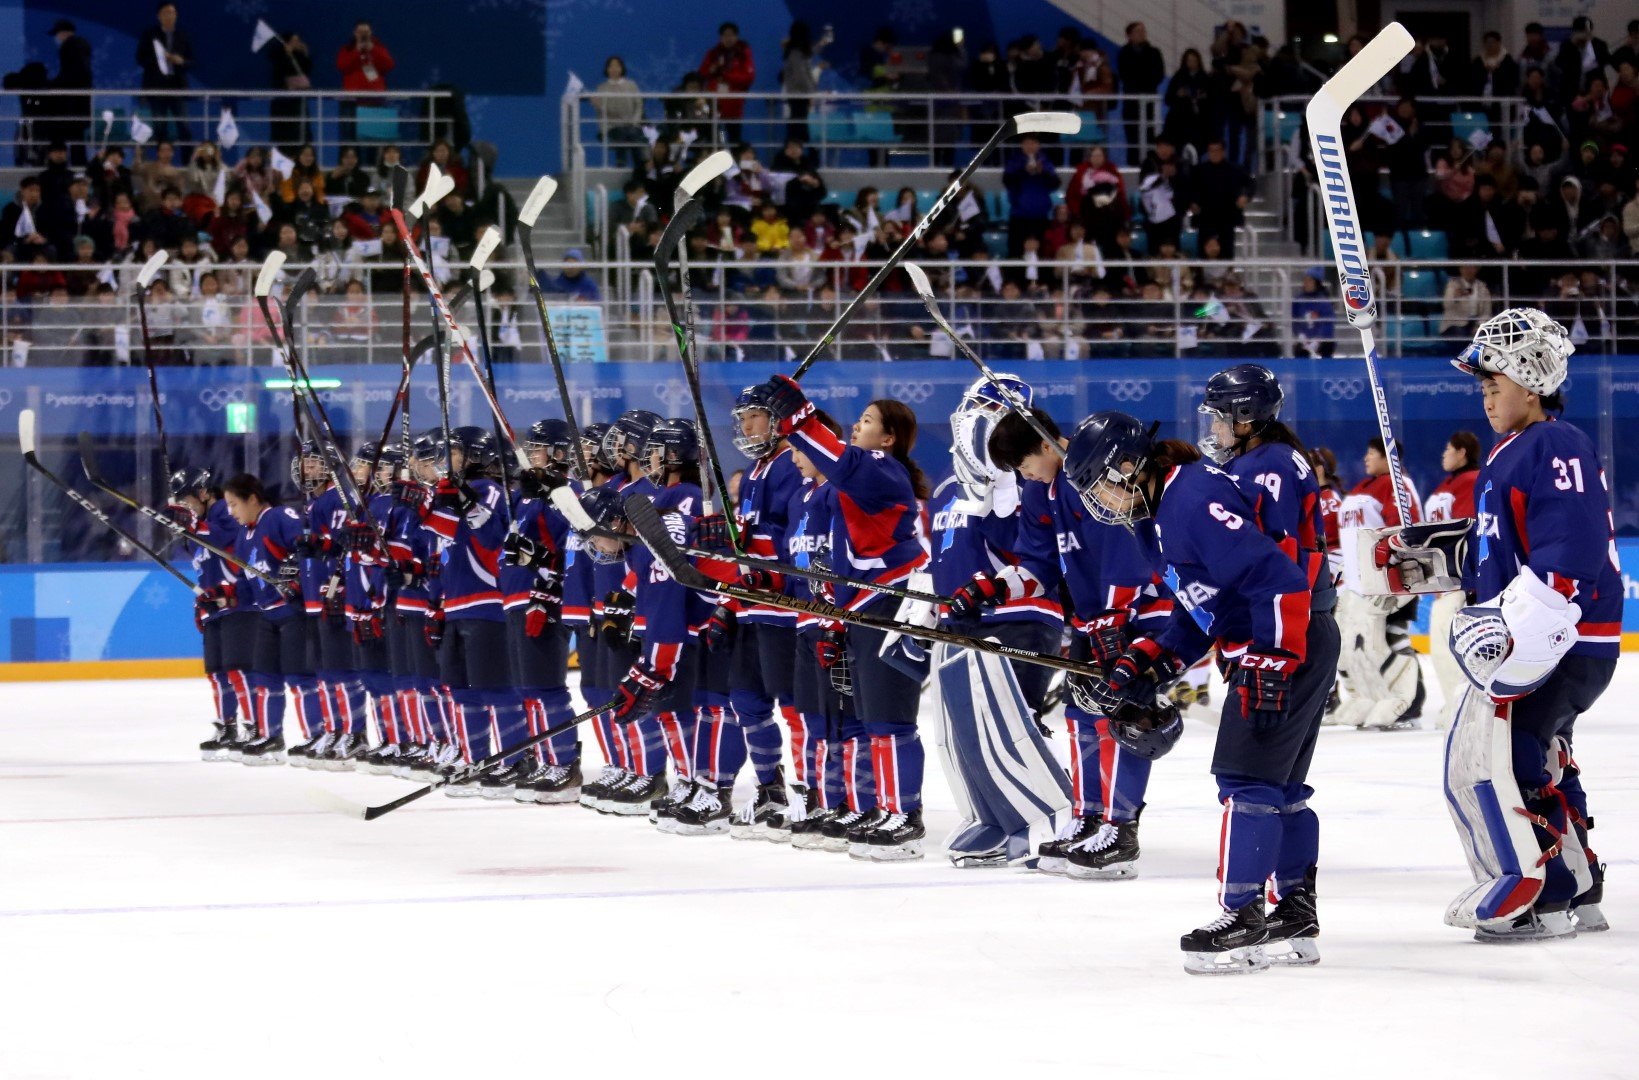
[[607, 511], [755, 446], [1149, 733], [591, 443], [186, 481], [383, 461], [1243, 394], [310, 467], [1103, 443], [428, 446], [678, 443], [552, 436], [628, 435], [480, 454]]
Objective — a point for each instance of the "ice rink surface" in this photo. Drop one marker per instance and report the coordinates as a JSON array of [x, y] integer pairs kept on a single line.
[[160, 916]]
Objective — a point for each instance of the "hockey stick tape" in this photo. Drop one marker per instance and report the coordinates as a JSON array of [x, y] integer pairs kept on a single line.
[[919, 279], [271, 266], [25, 432], [486, 247], [545, 188], [1060, 123], [145, 276], [705, 172]]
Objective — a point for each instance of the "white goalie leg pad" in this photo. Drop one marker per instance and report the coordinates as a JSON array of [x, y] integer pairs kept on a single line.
[[1490, 815], [996, 760], [1399, 681], [944, 740], [1379, 679], [1447, 672]]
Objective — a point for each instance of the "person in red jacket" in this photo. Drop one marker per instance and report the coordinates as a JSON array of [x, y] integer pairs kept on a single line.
[[364, 63], [728, 69], [1451, 501]]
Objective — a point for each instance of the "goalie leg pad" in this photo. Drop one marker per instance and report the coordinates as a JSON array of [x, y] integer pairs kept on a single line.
[[994, 753], [1490, 815]]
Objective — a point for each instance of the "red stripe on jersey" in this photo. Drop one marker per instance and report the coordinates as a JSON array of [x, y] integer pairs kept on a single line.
[[1292, 613], [1516, 503]]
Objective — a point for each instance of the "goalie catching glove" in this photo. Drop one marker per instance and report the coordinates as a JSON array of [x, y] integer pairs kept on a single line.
[[1509, 646], [1404, 560]]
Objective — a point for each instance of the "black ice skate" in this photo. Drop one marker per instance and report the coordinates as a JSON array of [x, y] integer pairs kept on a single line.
[[345, 753], [593, 794], [676, 796], [1111, 854], [216, 748], [266, 751], [502, 783], [809, 833], [706, 813], [315, 749], [1231, 944], [380, 761], [1052, 856], [550, 784], [1529, 926], [764, 818], [237, 741], [859, 833], [631, 799], [1294, 927], [897, 838], [834, 832]]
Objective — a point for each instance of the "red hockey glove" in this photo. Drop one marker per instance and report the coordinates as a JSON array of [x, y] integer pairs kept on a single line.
[[1264, 682]]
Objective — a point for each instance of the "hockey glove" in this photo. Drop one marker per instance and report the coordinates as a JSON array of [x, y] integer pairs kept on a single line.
[[1143, 668], [334, 595], [980, 594], [411, 493], [544, 607], [763, 580], [209, 601], [406, 573], [434, 630], [1106, 636], [788, 403], [636, 690], [719, 629], [1264, 682], [616, 626], [289, 583], [457, 498], [519, 550], [539, 483], [831, 648], [311, 546], [183, 515], [711, 533], [366, 626]]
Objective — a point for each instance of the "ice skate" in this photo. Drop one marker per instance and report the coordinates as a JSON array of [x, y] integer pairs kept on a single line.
[[632, 798], [216, 748], [265, 751], [1529, 926], [1231, 944], [859, 833], [1111, 854], [550, 785], [503, 783], [380, 761], [897, 838], [764, 818], [834, 832], [1294, 927], [809, 833], [591, 795], [1051, 855], [345, 753], [661, 809], [1585, 909], [705, 814]]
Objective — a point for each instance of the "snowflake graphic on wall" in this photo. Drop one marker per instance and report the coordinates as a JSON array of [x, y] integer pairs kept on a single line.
[[561, 13], [155, 594], [913, 14], [246, 10]]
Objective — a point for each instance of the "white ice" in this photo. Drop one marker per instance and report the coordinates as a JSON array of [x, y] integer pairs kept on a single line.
[[160, 916]]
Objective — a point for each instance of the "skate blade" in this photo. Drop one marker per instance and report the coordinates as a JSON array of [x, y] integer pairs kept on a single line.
[[978, 860], [1243, 961], [897, 852], [1297, 952], [264, 761], [458, 792], [496, 794], [1052, 864], [1590, 920], [713, 829], [862, 852], [1113, 872], [808, 843]]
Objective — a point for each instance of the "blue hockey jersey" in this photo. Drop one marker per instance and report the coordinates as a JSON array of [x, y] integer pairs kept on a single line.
[[470, 555], [364, 573], [807, 540], [415, 550], [541, 522], [326, 515], [968, 539], [766, 491], [1101, 566], [266, 545], [667, 613], [218, 528], [1542, 502], [1282, 486]]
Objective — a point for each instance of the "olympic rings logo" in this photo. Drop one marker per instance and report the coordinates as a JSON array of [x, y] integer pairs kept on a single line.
[[5, 398], [1129, 389], [1342, 389], [216, 400], [672, 393], [911, 392]]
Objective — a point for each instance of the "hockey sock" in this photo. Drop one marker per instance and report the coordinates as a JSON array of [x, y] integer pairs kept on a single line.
[[1123, 777], [1248, 841], [472, 722], [898, 760], [651, 746], [1299, 840], [243, 692], [828, 772], [556, 707], [448, 720], [1085, 789], [677, 729], [802, 749], [326, 703], [720, 749], [511, 727], [307, 701], [856, 770], [270, 705], [760, 731], [222, 697], [352, 705]]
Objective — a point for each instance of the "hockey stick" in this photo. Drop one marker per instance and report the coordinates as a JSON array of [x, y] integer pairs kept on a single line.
[[1325, 117], [88, 461], [480, 280], [145, 278], [542, 194], [1022, 124], [924, 289], [400, 405], [30, 446], [652, 531], [477, 768]]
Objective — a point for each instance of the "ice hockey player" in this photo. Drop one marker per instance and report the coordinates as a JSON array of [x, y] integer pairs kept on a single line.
[[1540, 647], [1010, 792], [1114, 599], [197, 505], [368, 600], [1237, 590], [877, 533], [1452, 500], [1379, 668]]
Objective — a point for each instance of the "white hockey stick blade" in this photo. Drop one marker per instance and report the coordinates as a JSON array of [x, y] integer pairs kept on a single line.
[[440, 193], [486, 278], [325, 799], [25, 433], [486, 247], [919, 280], [545, 188], [1379, 57], [569, 506], [418, 206], [1059, 123], [145, 276], [271, 266], [705, 172]]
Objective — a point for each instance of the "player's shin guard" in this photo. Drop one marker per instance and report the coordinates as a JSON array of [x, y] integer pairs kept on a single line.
[[1084, 764], [720, 749], [828, 773], [268, 695], [223, 698], [307, 703], [472, 724], [761, 733], [1249, 840], [1299, 842], [802, 750], [1123, 777], [506, 709], [555, 708], [677, 732], [897, 761]]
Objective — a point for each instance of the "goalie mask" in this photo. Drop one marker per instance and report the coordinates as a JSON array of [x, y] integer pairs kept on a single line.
[[1523, 344], [973, 421]]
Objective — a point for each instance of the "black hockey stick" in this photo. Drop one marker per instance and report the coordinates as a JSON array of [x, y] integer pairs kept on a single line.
[[480, 280], [527, 216], [400, 405], [1024, 123], [652, 530], [30, 446], [478, 768], [88, 461], [924, 289], [145, 278]]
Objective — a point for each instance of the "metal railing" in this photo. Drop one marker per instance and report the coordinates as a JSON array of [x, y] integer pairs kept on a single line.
[[88, 120], [771, 308]]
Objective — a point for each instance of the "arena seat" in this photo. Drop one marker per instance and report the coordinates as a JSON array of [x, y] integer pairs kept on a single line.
[[1426, 244]]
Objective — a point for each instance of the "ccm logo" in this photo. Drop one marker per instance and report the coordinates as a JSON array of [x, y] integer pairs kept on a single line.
[[1267, 663]]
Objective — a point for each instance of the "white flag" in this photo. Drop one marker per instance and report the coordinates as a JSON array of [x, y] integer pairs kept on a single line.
[[574, 86], [162, 56], [263, 213], [264, 34], [25, 225], [140, 132], [279, 163], [1385, 128], [227, 132], [219, 191], [107, 126], [651, 133], [968, 208], [122, 343], [106, 276]]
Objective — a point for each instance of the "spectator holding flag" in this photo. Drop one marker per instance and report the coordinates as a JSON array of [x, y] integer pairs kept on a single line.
[[165, 54], [728, 69], [364, 64]]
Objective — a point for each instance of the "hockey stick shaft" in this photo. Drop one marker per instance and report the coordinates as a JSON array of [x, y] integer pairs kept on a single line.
[[26, 439], [93, 473], [1325, 118], [646, 520], [1015, 124], [479, 768], [153, 381], [550, 343], [489, 376]]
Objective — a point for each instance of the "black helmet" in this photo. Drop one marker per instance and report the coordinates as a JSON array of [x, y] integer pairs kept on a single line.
[[1101, 445], [1149, 733], [1243, 394], [591, 444], [604, 506], [754, 399], [678, 443], [628, 435], [480, 454], [384, 461], [553, 436], [187, 481], [311, 450]]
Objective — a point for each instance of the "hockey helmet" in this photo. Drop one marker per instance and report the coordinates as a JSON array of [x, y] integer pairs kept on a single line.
[[677, 443], [1243, 394], [1523, 344], [1103, 443]]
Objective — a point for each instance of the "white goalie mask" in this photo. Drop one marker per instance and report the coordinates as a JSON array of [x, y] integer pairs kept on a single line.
[[1523, 344], [973, 421]]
